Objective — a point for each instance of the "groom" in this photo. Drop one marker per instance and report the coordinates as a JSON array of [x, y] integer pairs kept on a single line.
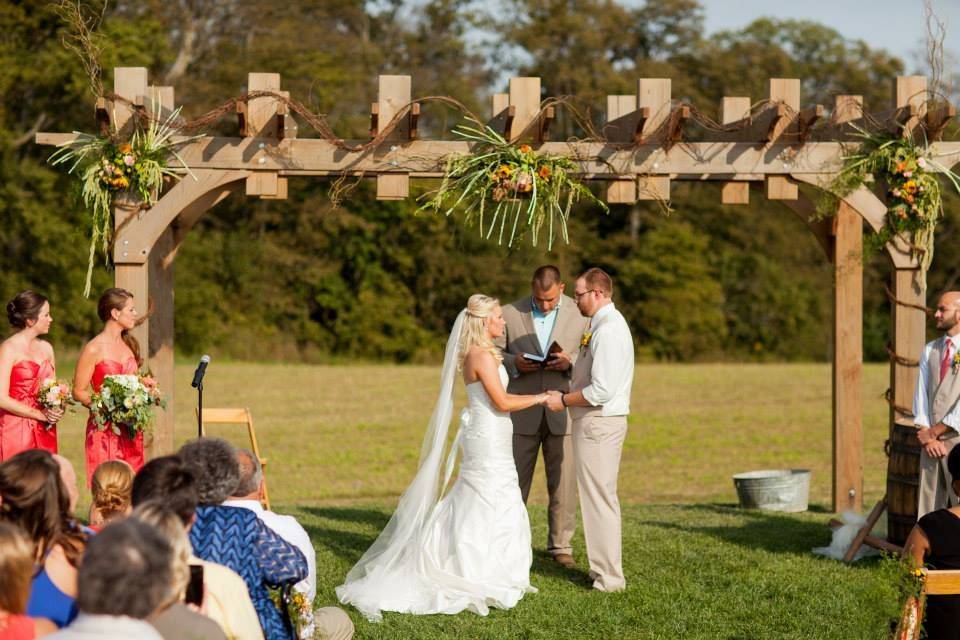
[[533, 326], [599, 402]]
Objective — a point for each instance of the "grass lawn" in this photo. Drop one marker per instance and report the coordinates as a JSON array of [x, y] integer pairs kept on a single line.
[[343, 443]]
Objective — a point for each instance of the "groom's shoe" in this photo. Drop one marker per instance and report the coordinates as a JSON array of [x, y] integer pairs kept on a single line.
[[565, 560]]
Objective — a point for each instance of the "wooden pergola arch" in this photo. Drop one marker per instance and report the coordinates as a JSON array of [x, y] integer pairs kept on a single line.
[[775, 149]]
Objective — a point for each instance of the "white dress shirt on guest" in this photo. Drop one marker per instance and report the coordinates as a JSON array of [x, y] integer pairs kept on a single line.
[[97, 627], [290, 530], [611, 375], [929, 374]]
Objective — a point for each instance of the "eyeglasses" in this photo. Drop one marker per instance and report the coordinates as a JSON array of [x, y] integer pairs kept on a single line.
[[577, 295]]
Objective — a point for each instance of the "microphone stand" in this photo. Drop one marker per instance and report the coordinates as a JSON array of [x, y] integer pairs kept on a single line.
[[200, 409]]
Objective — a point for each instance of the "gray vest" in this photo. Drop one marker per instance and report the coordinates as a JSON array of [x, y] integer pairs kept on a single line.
[[941, 395], [579, 379]]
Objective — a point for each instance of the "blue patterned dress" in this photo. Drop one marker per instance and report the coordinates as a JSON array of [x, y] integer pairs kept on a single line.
[[236, 538]]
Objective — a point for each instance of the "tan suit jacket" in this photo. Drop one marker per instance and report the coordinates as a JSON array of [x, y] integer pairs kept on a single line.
[[944, 394], [521, 337]]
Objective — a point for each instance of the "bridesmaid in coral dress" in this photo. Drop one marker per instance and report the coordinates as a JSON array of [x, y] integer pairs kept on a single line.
[[113, 351], [25, 362]]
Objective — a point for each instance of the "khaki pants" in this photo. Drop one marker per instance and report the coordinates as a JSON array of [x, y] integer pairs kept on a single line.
[[935, 490], [561, 482], [333, 623], [597, 447]]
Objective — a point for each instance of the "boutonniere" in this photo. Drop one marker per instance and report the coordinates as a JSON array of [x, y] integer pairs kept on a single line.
[[585, 339], [955, 367]]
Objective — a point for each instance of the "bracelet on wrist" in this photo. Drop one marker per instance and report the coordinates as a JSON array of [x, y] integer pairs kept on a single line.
[[563, 399]]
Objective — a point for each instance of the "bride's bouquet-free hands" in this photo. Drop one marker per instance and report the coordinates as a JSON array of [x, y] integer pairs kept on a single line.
[[53, 398], [126, 400]]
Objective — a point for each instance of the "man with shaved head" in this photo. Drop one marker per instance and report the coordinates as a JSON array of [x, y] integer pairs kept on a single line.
[[935, 409]]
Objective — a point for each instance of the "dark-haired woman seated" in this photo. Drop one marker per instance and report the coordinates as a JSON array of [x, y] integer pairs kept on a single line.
[[935, 543], [32, 496], [25, 362]]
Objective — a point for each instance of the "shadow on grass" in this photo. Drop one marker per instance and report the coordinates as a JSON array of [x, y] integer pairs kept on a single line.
[[753, 529], [346, 542], [544, 565]]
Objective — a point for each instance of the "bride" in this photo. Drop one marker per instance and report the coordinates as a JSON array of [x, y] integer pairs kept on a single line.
[[469, 549]]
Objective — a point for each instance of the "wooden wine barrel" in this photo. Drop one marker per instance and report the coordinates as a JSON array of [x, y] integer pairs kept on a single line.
[[903, 482]]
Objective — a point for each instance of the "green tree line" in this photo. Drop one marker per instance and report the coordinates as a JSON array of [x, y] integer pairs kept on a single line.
[[301, 278]]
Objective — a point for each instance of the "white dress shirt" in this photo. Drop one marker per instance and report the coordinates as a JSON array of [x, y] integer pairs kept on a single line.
[[611, 373], [94, 627], [290, 530], [929, 375]]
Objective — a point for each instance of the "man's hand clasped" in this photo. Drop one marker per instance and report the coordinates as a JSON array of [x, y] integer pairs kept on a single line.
[[559, 361], [554, 402], [926, 436], [526, 366]]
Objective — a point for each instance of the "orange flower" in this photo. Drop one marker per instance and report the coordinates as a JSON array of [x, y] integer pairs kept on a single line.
[[125, 148], [525, 148], [900, 167], [544, 172]]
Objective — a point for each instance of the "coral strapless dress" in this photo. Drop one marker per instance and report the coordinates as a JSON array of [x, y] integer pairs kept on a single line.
[[106, 445], [16, 432]]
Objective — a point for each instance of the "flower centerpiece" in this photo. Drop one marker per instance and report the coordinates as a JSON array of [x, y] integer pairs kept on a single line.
[[54, 395], [108, 165], [906, 173], [126, 400], [508, 189]]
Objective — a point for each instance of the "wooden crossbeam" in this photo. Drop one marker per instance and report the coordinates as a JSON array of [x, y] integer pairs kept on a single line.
[[394, 94], [641, 124], [735, 110], [545, 121], [937, 119], [808, 118], [678, 118], [777, 124]]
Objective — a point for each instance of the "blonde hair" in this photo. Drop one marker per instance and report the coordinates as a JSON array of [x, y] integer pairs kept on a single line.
[[16, 568], [170, 526], [474, 331], [112, 485]]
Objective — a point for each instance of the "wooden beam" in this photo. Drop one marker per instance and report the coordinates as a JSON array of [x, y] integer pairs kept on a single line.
[[937, 120], [781, 188], [414, 123], [129, 83], [620, 127], [821, 228], [910, 99], [732, 110], [394, 95], [654, 94], [808, 118], [102, 115], [785, 97], [549, 114], [525, 98], [848, 360], [262, 112]]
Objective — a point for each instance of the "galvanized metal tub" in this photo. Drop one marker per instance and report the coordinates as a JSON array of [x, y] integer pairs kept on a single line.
[[774, 489]]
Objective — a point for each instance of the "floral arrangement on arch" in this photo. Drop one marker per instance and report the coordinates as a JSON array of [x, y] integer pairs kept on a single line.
[[906, 172], [508, 189], [107, 166]]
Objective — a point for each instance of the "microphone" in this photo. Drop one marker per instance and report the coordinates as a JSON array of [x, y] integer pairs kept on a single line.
[[201, 369]]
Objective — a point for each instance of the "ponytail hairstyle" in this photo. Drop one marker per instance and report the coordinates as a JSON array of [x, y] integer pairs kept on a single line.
[[25, 307], [474, 332], [115, 299], [112, 486]]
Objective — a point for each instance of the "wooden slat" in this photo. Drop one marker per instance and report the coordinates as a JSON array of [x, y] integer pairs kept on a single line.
[[262, 112], [785, 95], [781, 188], [394, 94], [654, 94], [735, 109], [525, 98], [129, 83], [941, 582], [262, 183], [910, 93], [225, 416], [621, 127]]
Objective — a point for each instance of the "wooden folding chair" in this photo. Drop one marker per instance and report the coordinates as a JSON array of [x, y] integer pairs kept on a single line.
[[238, 417], [935, 583]]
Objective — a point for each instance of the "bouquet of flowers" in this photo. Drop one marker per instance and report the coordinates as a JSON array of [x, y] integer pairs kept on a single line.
[[126, 400], [298, 610], [54, 395]]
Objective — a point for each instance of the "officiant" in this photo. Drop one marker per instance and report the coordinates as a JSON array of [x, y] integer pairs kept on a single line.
[[539, 347]]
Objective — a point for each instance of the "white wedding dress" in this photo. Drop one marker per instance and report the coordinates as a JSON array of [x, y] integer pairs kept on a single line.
[[471, 549]]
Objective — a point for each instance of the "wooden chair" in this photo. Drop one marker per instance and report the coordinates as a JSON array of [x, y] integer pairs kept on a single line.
[[239, 417], [935, 583]]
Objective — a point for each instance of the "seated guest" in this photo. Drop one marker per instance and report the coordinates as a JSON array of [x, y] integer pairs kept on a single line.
[[111, 485], [236, 537], [247, 495], [69, 477], [225, 599], [935, 542], [16, 570], [176, 620], [33, 497], [125, 577], [330, 622]]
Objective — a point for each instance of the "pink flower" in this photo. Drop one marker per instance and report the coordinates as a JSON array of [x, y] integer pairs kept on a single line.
[[896, 193], [907, 174], [128, 160], [149, 382], [922, 163]]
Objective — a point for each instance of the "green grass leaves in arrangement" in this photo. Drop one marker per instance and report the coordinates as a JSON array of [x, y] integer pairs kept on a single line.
[[905, 171], [508, 190], [107, 166]]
